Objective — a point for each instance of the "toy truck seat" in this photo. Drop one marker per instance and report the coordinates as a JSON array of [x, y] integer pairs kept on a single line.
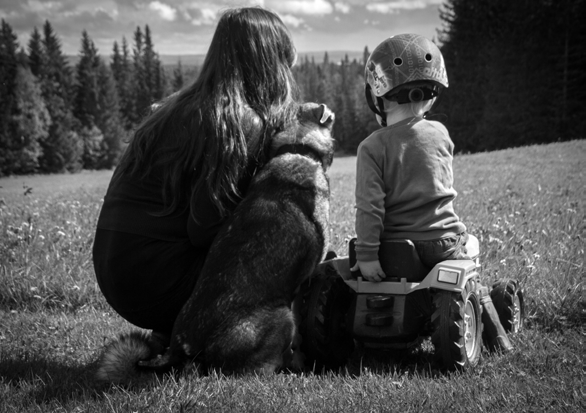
[[398, 259]]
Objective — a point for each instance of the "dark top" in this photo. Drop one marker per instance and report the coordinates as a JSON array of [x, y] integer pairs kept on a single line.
[[134, 204], [146, 264]]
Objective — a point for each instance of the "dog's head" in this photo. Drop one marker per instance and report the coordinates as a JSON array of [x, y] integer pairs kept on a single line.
[[311, 133]]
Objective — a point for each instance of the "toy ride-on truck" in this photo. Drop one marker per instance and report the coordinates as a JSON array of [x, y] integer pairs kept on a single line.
[[447, 303]]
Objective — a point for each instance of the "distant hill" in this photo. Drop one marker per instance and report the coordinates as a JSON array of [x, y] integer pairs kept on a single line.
[[188, 60], [197, 59]]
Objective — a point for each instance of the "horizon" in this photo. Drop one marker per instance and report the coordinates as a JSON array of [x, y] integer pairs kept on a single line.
[[189, 60]]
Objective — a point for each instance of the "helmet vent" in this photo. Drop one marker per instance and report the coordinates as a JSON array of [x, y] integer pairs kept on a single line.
[[428, 57], [398, 61]]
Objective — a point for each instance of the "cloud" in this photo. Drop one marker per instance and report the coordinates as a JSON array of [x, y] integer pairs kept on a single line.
[[291, 21], [187, 26], [342, 7], [165, 11], [43, 6], [206, 17], [391, 7], [307, 7]]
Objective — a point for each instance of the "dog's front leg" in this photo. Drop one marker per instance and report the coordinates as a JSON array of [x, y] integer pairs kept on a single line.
[[297, 362]]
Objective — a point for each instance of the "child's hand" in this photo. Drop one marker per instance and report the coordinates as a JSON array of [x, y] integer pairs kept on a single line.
[[371, 270]]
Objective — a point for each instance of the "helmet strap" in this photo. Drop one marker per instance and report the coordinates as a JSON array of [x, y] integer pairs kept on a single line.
[[416, 94], [378, 107]]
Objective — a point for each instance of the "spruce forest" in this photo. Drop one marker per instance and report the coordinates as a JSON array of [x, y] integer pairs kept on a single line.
[[516, 73]]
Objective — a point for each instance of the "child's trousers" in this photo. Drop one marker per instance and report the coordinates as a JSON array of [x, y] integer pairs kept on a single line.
[[450, 248]]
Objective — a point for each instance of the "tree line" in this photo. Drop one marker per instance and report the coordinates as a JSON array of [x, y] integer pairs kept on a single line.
[[55, 117], [515, 70]]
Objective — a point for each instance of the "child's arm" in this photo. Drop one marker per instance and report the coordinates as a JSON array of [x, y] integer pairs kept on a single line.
[[370, 211]]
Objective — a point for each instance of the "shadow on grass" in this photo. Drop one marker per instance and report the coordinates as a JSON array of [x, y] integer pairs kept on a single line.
[[46, 381], [417, 361]]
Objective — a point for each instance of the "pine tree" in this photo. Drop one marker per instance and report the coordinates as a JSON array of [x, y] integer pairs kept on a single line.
[[93, 146], [465, 40], [311, 80], [56, 68], [178, 80], [24, 119], [365, 55], [86, 89], [63, 148], [140, 81], [511, 67], [149, 63], [154, 73], [149, 84], [326, 84], [342, 108], [122, 72], [8, 69], [32, 122], [8, 109], [109, 119], [36, 56], [87, 106], [116, 61]]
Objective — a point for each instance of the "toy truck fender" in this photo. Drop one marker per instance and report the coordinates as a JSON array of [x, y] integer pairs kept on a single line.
[[450, 275]]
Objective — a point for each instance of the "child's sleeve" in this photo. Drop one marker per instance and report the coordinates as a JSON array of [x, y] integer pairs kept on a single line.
[[370, 202]]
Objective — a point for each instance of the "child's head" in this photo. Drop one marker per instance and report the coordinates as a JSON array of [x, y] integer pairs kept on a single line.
[[404, 73]]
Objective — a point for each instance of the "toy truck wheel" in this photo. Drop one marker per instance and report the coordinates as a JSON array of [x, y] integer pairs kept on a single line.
[[325, 341], [507, 298], [457, 328]]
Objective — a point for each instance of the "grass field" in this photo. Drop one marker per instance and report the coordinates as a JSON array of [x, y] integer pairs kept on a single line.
[[525, 205]]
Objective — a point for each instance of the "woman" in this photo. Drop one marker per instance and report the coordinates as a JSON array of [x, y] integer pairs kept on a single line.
[[188, 165]]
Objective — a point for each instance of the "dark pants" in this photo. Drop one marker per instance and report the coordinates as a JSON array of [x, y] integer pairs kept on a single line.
[[434, 251], [146, 280]]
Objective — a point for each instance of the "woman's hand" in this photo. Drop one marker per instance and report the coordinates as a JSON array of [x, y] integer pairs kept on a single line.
[[371, 270]]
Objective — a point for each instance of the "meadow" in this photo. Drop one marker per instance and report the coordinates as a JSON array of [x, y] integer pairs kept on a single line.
[[525, 205]]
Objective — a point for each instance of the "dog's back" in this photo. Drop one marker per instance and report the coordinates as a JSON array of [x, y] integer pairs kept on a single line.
[[239, 315]]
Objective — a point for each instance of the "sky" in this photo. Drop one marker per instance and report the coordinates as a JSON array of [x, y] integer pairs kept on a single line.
[[183, 27]]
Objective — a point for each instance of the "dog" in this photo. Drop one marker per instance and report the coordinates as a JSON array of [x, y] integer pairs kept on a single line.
[[239, 318]]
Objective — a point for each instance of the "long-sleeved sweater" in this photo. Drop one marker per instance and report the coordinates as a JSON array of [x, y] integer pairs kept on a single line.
[[404, 186]]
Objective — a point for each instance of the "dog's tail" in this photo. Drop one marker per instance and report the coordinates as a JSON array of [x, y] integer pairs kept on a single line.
[[118, 363]]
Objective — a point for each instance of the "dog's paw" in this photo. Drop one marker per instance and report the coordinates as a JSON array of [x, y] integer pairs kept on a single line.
[[161, 361], [297, 361]]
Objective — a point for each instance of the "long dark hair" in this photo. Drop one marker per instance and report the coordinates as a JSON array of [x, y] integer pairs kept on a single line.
[[196, 138]]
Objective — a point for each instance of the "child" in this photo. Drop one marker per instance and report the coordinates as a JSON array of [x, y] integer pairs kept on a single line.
[[404, 170], [188, 165]]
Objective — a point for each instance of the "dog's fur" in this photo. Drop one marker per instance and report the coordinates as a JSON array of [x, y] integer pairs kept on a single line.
[[239, 317]]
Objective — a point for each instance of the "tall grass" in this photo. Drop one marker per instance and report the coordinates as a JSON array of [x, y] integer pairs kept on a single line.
[[526, 206], [45, 251]]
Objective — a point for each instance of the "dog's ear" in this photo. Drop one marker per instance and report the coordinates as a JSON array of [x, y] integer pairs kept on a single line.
[[316, 113], [327, 116]]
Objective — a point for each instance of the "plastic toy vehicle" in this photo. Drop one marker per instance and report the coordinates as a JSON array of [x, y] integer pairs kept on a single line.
[[412, 303]]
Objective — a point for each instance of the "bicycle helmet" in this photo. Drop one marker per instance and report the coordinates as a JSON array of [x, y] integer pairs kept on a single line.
[[404, 68]]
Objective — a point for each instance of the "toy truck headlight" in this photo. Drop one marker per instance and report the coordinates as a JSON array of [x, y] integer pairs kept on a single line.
[[445, 276]]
